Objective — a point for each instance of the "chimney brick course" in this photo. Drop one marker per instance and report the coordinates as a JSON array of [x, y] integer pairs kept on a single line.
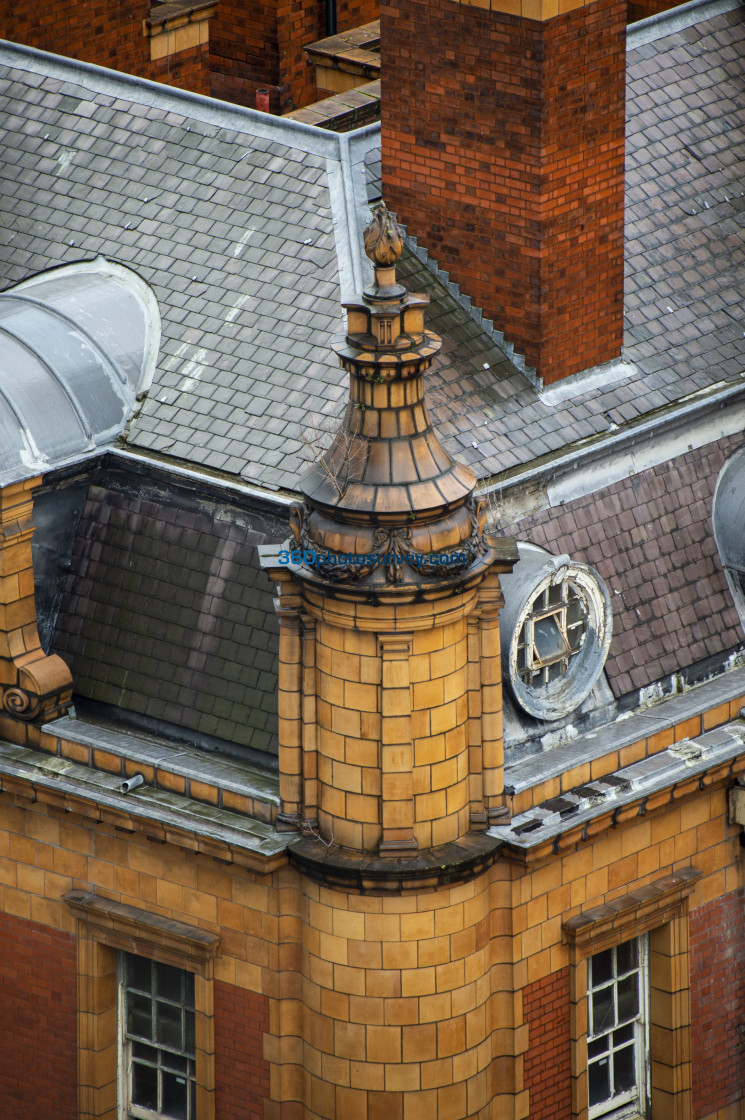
[[503, 150]]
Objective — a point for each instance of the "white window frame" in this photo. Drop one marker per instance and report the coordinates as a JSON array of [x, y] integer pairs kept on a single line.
[[126, 1109], [632, 1102]]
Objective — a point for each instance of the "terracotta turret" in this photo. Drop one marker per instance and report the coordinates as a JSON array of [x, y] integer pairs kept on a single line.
[[386, 486], [390, 687]]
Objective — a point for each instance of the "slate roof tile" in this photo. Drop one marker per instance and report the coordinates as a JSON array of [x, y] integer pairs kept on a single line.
[[207, 186]]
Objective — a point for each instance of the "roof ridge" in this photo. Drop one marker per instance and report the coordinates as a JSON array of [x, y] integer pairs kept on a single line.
[[209, 110], [660, 24]]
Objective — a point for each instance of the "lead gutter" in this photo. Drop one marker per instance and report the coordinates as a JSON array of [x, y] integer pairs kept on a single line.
[[675, 19], [703, 404], [635, 790], [76, 788]]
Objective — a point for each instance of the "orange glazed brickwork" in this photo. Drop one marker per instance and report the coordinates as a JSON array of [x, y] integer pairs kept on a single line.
[[406, 1009], [350, 726], [511, 169], [423, 1005]]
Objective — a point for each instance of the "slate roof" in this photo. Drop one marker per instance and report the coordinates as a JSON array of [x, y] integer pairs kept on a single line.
[[650, 539], [238, 221], [166, 614], [247, 228]]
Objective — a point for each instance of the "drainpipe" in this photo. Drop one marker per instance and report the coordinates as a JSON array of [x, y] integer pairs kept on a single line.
[[330, 18]]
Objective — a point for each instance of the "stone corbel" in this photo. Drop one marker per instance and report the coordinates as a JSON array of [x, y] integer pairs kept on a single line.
[[33, 685]]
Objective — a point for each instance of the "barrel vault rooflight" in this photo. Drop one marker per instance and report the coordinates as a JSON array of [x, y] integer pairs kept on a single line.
[[728, 518], [77, 346]]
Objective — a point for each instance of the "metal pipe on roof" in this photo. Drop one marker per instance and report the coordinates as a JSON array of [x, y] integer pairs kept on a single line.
[[330, 17]]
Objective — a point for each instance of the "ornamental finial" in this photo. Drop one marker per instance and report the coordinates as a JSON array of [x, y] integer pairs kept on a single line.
[[384, 240]]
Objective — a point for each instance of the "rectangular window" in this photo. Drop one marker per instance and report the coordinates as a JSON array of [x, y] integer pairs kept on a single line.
[[617, 1031], [157, 1045]]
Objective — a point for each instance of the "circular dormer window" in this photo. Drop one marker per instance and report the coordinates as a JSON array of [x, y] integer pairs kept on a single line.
[[556, 628]]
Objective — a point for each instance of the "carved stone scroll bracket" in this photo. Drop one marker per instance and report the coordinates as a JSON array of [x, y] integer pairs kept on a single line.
[[33, 685]]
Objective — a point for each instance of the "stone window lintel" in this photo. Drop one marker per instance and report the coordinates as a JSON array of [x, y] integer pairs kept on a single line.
[[121, 926], [634, 913]]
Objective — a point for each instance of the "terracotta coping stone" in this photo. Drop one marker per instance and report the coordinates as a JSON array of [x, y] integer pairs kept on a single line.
[[181, 10], [368, 873]]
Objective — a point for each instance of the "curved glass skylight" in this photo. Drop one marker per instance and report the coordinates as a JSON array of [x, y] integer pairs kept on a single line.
[[728, 518], [77, 346]]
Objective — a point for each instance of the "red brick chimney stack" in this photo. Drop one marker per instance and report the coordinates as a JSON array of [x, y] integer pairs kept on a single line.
[[503, 152]]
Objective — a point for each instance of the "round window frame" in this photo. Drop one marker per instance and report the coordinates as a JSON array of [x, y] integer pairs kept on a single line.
[[561, 697]]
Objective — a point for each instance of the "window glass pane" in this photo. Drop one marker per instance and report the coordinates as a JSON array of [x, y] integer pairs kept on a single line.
[[139, 971], [624, 1073], [598, 1046], [174, 1062], [549, 641], [145, 1053], [602, 968], [628, 998], [602, 1010], [623, 1034], [168, 1025], [598, 1082], [616, 1031], [144, 1086], [175, 1095], [627, 957], [139, 1016], [168, 982], [159, 1039]]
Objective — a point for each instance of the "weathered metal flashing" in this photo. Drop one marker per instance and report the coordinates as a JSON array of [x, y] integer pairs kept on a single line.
[[168, 817], [632, 791]]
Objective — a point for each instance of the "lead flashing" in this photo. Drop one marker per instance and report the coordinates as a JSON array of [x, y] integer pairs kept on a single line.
[[171, 817], [628, 792], [660, 24]]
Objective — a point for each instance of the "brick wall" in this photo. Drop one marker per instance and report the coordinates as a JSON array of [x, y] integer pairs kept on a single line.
[[250, 45], [244, 53], [547, 1068], [503, 149], [38, 1027], [650, 538], [649, 8], [262, 45], [110, 36], [717, 935], [241, 1073]]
